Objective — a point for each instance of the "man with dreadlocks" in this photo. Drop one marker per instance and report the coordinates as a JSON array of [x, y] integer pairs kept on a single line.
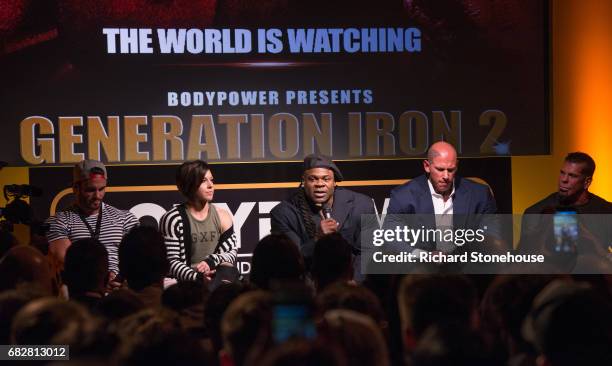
[[319, 208]]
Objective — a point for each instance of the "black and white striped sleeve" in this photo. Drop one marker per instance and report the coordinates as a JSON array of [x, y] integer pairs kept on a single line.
[[171, 227], [226, 250]]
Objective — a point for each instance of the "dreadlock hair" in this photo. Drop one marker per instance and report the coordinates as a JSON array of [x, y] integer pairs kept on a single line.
[[300, 201]]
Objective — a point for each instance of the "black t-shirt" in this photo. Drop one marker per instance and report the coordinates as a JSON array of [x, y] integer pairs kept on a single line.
[[595, 217], [595, 205]]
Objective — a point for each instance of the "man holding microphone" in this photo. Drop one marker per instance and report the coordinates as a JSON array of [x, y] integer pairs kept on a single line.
[[319, 208]]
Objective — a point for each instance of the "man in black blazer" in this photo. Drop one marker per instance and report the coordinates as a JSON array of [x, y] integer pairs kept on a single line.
[[319, 208], [441, 191], [441, 182]]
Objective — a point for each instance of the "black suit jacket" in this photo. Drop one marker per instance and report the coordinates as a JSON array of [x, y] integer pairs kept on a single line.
[[470, 200], [414, 197], [347, 209]]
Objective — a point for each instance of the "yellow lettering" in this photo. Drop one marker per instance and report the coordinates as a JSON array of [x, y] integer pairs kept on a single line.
[[283, 128], [203, 125], [30, 143], [167, 129], [67, 139], [316, 135], [133, 138], [99, 139]]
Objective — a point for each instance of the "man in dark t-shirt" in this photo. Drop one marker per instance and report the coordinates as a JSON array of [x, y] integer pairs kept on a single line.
[[595, 221], [575, 177]]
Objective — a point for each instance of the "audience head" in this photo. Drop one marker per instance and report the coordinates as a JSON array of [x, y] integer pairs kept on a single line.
[[146, 323], [53, 321], [183, 295], [142, 257], [505, 305], [351, 297], [155, 336], [332, 261], [301, 352], [357, 335], [119, 304], [424, 300], [24, 265], [187, 299], [449, 344], [247, 326], [215, 307], [570, 324], [173, 348], [86, 267], [11, 301], [276, 258]]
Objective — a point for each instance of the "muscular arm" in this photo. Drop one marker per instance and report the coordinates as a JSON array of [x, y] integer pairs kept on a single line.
[[57, 249], [58, 238]]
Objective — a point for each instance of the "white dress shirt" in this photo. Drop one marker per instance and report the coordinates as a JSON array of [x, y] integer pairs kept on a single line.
[[444, 215]]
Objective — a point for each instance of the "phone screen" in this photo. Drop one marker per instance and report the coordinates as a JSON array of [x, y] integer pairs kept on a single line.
[[566, 231], [293, 313], [292, 320]]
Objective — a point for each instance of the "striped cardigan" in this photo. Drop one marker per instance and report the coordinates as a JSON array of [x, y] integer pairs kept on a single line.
[[177, 236]]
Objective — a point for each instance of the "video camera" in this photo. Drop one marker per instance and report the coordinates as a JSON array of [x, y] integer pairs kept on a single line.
[[17, 211]]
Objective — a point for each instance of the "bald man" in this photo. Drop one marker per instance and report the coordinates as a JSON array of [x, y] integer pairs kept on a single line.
[[441, 191]]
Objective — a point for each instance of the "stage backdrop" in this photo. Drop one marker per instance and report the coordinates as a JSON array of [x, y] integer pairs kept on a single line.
[[255, 86], [274, 80]]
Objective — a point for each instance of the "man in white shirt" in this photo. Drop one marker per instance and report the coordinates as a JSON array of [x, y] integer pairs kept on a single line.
[[442, 192]]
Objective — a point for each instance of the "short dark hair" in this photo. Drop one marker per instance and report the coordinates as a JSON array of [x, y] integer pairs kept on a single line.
[[142, 257], [342, 295], [246, 322], [276, 258], [332, 260], [429, 299], [85, 266], [183, 295], [215, 307], [569, 323], [189, 176], [450, 343], [582, 158]]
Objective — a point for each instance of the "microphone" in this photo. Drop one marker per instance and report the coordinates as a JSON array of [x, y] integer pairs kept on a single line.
[[327, 212]]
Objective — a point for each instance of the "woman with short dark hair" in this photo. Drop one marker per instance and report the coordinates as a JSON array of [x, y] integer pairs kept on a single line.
[[199, 236]]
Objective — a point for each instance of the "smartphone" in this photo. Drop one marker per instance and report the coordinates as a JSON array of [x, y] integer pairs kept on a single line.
[[565, 226], [293, 313]]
